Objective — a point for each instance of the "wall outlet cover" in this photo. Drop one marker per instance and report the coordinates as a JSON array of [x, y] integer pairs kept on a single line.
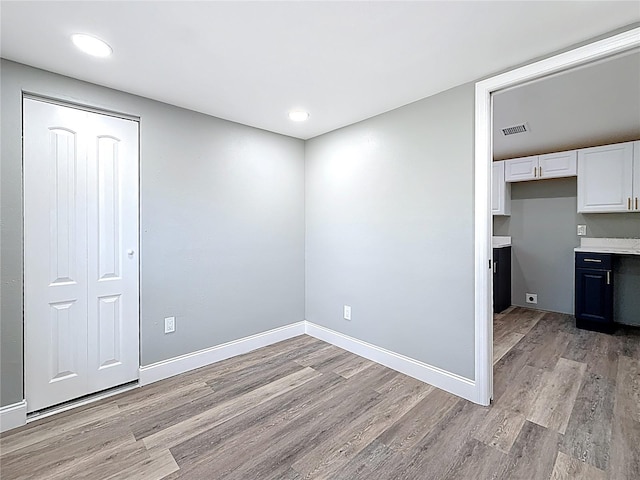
[[169, 324], [347, 312], [531, 297], [582, 230]]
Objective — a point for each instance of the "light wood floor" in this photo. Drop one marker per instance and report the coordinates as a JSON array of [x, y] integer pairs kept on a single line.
[[567, 406]]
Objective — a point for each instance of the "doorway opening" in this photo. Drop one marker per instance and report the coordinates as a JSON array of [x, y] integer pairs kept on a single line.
[[483, 157]]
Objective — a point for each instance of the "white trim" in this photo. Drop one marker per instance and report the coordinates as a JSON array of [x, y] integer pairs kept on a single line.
[[483, 218], [191, 361], [13, 416], [435, 376]]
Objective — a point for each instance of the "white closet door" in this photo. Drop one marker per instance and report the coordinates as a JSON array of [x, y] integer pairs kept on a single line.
[[113, 251], [81, 287]]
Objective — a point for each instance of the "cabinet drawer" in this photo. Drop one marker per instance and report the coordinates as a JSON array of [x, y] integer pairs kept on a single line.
[[595, 261]]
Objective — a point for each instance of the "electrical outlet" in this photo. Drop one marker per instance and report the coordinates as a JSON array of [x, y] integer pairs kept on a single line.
[[582, 230], [347, 312], [532, 297], [169, 324]]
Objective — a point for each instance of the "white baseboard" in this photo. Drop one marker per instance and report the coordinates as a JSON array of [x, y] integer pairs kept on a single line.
[[452, 383], [13, 416], [191, 361]]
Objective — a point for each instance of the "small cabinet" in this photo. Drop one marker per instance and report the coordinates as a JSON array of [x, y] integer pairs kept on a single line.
[[501, 279], [609, 178], [594, 291], [500, 190], [540, 167]]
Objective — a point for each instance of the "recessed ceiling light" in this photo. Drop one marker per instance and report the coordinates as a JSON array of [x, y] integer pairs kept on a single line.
[[91, 45], [298, 115]]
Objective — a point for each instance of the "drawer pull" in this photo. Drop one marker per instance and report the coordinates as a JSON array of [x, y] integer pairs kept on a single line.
[[636, 203], [608, 277], [594, 260]]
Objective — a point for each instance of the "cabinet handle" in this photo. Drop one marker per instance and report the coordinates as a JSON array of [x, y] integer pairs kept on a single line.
[[594, 260], [629, 203], [535, 172], [636, 203], [540, 171], [608, 277], [495, 267]]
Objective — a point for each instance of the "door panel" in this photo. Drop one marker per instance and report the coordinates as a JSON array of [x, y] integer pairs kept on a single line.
[[112, 235], [74, 237], [55, 263]]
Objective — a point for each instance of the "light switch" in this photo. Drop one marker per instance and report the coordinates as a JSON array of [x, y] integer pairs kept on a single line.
[[582, 230]]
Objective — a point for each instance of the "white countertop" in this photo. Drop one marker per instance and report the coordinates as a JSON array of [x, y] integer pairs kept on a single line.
[[499, 242], [619, 246]]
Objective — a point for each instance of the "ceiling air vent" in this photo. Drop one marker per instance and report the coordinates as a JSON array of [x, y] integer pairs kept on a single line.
[[521, 128]]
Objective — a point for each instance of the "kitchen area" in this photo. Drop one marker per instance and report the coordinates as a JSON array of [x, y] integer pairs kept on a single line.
[[566, 195]]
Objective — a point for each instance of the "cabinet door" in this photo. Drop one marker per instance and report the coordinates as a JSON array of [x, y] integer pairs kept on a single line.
[[554, 165], [501, 279], [605, 178], [636, 176], [594, 295], [521, 169], [500, 191]]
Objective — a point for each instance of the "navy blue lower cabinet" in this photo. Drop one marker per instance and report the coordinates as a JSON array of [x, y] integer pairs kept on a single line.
[[594, 292], [501, 279]]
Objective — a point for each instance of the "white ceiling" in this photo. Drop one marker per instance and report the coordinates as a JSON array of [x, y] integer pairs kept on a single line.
[[251, 62], [590, 105]]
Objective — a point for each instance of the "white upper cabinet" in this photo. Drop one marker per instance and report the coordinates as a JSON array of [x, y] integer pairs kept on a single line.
[[554, 165], [609, 178], [521, 169], [539, 167], [500, 190]]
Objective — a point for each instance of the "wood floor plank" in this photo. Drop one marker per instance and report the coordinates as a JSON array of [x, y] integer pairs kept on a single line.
[[522, 391], [533, 454], [155, 467], [568, 468], [588, 434], [500, 429], [477, 461], [555, 402], [625, 454], [628, 388], [193, 426], [234, 435], [59, 426], [419, 421], [367, 463], [442, 448], [326, 459], [352, 366], [152, 421], [505, 343]]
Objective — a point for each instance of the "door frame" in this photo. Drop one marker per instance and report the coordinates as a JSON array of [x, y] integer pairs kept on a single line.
[[483, 219], [27, 94]]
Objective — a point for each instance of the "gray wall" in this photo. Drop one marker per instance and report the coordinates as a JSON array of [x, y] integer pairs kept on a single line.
[[389, 230], [542, 227], [222, 223]]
